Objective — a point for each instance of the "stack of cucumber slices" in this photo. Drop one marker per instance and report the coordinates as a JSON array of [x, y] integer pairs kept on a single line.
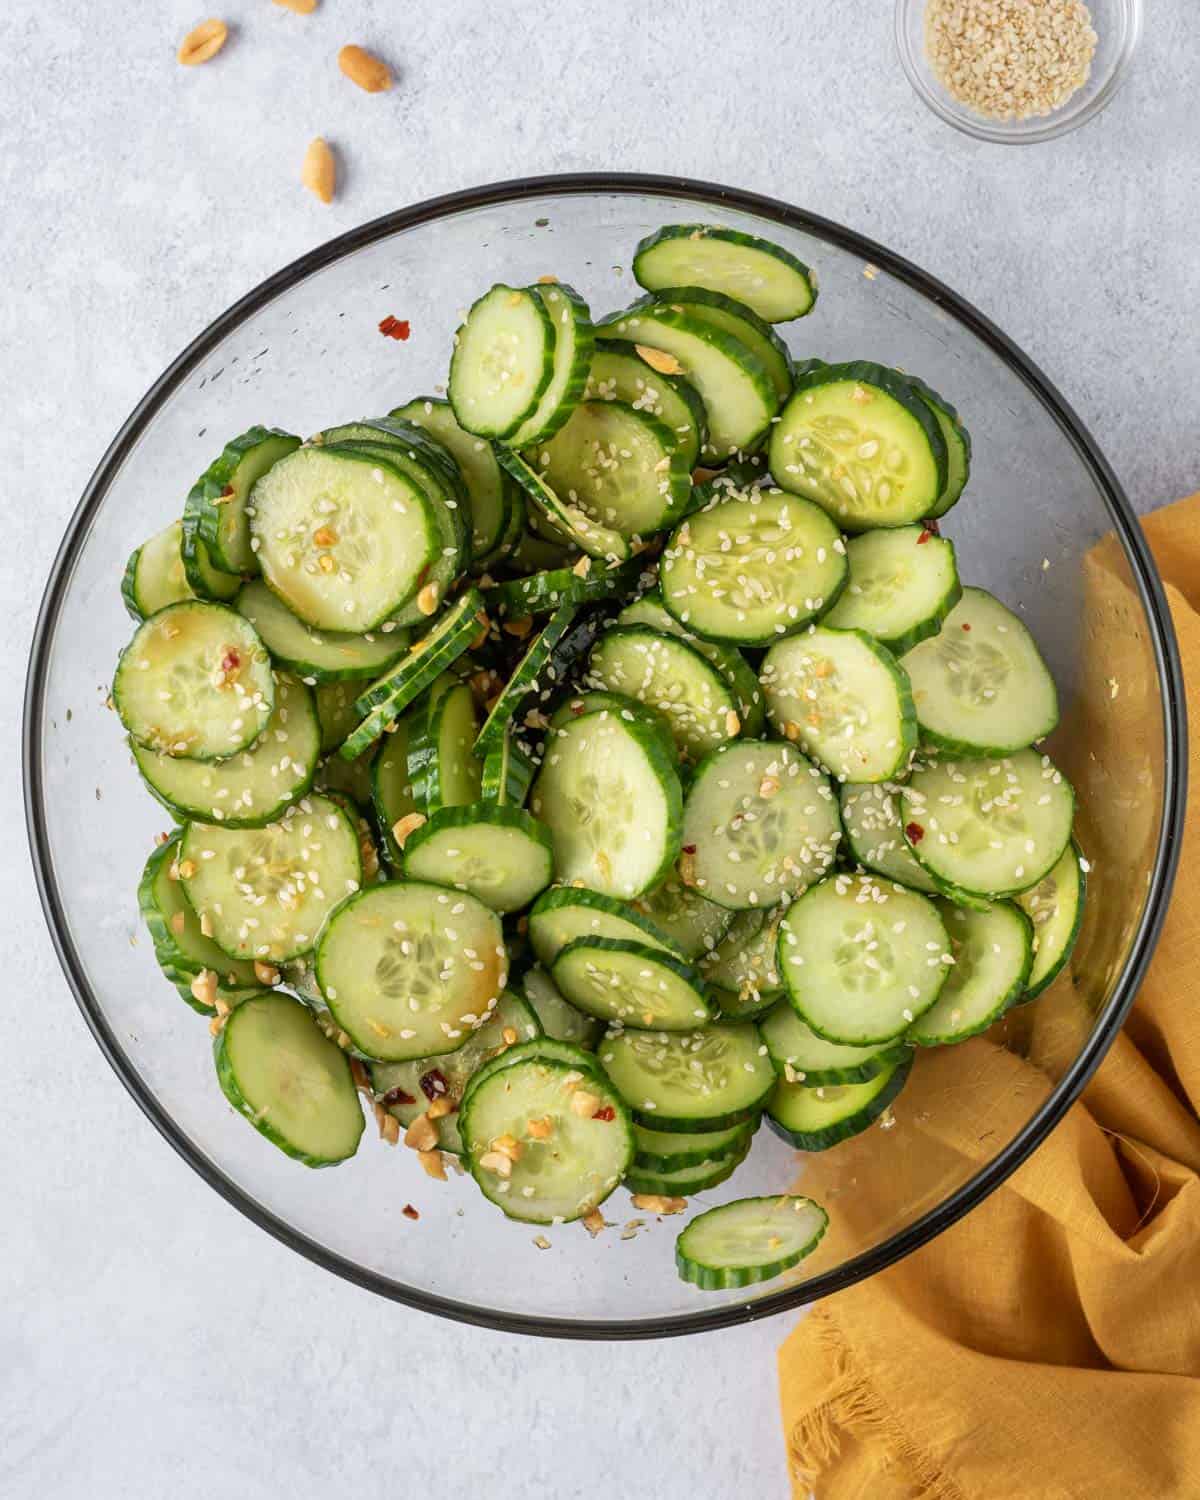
[[594, 762]]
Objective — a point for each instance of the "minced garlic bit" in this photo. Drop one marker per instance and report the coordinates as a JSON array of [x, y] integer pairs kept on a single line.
[[1010, 59]]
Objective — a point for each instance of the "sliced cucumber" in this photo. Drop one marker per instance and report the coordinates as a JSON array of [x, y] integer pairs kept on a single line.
[[546, 1141], [542, 593], [993, 951], [195, 681], [314, 655], [760, 824], [507, 774], [392, 795], [541, 1049], [862, 959], [610, 795], [634, 984], [335, 712], [743, 966], [621, 466], [875, 834], [736, 318], [845, 698], [220, 505], [739, 398], [205, 579], [1055, 907], [980, 687], [764, 276], [749, 1240], [410, 969], [670, 1151], [667, 674], [686, 1081], [407, 1089], [569, 518], [248, 789], [745, 1005], [565, 913], [992, 827], [573, 342], [903, 583], [350, 780], [559, 1019], [958, 444], [266, 891], [562, 642], [683, 1182], [487, 485], [754, 565], [503, 361], [813, 1119], [858, 440], [596, 700], [690, 923], [801, 1056], [619, 373], [154, 575], [442, 770], [372, 526], [502, 855], [282, 1073]]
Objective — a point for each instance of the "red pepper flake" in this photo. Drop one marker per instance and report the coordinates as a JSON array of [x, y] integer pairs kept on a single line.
[[396, 1096], [231, 661], [966, 626], [433, 1084], [395, 328], [689, 848], [925, 535], [606, 1113], [410, 1212], [914, 833]]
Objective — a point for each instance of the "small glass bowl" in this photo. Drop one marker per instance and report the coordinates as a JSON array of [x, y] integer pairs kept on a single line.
[[1118, 27]]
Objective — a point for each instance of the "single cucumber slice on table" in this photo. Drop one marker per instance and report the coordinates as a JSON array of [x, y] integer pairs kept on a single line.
[[610, 795], [154, 575], [221, 506], [345, 539], [575, 526], [682, 1182], [1055, 907], [503, 361], [992, 827], [546, 1140], [635, 984], [620, 373], [816, 1118], [667, 674], [559, 1019], [980, 687], [858, 440], [764, 276], [282, 1073], [687, 920], [248, 789], [573, 342], [394, 966], [671, 1151], [845, 699], [749, 1240], [407, 1089], [195, 681], [553, 653], [903, 583], [743, 967], [958, 444], [507, 773], [993, 951], [801, 1056], [740, 320], [318, 656], [443, 771], [760, 824], [862, 958], [266, 891], [487, 485], [566, 912], [689, 1081], [753, 565], [502, 855], [875, 834]]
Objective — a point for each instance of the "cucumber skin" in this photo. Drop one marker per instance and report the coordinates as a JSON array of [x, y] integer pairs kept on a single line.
[[1010, 998], [558, 635], [424, 772], [506, 779], [946, 500], [684, 389], [543, 592], [844, 1130], [205, 579], [472, 814], [1068, 948], [863, 1072], [537, 388], [570, 895], [732, 237], [540, 1049], [585, 340], [606, 545], [129, 585], [184, 814], [931, 625], [699, 296], [674, 1126], [227, 1079], [655, 1161], [320, 675], [731, 1008], [640, 1179], [731, 1278], [201, 502], [661, 956]]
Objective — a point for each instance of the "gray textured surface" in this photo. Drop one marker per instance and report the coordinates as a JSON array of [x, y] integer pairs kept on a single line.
[[151, 1340]]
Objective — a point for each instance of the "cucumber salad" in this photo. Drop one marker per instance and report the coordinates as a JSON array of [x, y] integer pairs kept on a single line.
[[596, 761]]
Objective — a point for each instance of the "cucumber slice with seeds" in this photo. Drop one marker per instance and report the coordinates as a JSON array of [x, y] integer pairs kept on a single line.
[[566, 912], [875, 834], [573, 342], [682, 1082], [980, 687], [862, 959], [314, 655], [279, 1070], [765, 276], [858, 440], [487, 485], [749, 1240], [220, 504], [669, 1151], [266, 891], [502, 855], [570, 520], [507, 774], [760, 824], [195, 681], [753, 565], [442, 770], [559, 1019], [154, 575], [743, 966], [620, 373], [409, 969], [503, 361], [740, 320], [248, 789], [596, 700], [801, 1056], [992, 827], [814, 1119], [1055, 907], [993, 951], [903, 583], [845, 699], [683, 1182], [635, 984], [690, 923]]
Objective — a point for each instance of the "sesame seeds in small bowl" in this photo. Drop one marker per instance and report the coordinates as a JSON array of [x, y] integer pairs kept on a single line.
[[1017, 71]]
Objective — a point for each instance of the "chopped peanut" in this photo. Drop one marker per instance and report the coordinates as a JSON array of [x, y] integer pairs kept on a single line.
[[187, 868], [266, 974], [324, 536], [440, 1106], [656, 1203], [427, 599], [177, 922], [594, 1222], [584, 1104], [520, 627], [660, 360], [768, 786], [422, 1134], [510, 1036], [433, 1163], [406, 825], [540, 1130], [732, 723], [509, 1145], [204, 988], [497, 1162]]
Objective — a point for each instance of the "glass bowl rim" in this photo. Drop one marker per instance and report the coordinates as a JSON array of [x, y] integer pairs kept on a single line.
[[1125, 525]]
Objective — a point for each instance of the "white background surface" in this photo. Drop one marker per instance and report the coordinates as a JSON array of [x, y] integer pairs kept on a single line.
[[152, 1342]]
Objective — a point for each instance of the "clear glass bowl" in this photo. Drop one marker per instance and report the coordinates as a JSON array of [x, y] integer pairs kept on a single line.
[[1118, 28], [302, 350]]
